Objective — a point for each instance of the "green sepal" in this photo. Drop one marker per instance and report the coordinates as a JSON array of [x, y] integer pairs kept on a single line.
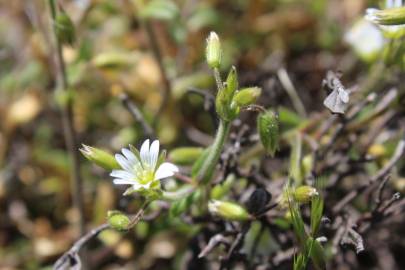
[[247, 96]]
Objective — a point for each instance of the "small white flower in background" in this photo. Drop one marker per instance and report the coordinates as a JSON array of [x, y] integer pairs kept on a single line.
[[366, 39], [142, 170]]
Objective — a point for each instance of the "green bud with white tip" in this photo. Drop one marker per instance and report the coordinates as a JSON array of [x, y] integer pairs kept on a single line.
[[118, 220], [228, 210], [390, 16], [213, 52], [99, 157], [304, 194], [247, 96]]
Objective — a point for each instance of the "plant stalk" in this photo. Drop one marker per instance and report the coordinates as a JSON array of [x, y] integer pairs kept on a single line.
[[207, 169], [68, 130]]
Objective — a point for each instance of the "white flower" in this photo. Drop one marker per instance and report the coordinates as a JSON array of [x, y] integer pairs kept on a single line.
[[142, 170], [366, 39]]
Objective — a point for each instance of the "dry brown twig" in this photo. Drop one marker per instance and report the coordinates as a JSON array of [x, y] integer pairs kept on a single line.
[[399, 152], [71, 258]]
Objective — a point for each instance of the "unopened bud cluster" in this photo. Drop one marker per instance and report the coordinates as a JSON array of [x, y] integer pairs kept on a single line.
[[229, 99]]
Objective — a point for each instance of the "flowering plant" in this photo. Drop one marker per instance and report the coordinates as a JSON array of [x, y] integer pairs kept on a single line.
[[143, 170]]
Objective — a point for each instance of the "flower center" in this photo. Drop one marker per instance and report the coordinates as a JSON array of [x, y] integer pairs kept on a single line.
[[145, 176]]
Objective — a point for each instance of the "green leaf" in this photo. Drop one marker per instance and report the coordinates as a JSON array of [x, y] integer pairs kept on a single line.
[[316, 213], [296, 171], [115, 60], [185, 155], [289, 118], [296, 218], [160, 10], [203, 16], [318, 255]]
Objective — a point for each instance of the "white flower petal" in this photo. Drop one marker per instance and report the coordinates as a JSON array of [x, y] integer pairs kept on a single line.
[[122, 174], [154, 153], [130, 156], [136, 186], [123, 182], [124, 163], [165, 170], [145, 152]]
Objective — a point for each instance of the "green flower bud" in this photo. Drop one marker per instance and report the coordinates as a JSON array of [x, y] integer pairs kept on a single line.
[[100, 157], [185, 155], [213, 51], [247, 96], [269, 131], [64, 29], [304, 194], [118, 220], [228, 210], [390, 16]]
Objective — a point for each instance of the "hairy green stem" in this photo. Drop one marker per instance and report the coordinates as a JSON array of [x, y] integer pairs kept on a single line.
[[218, 80], [207, 169]]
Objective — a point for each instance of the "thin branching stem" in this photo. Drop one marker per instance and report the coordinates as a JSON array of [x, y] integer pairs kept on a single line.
[[68, 129]]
